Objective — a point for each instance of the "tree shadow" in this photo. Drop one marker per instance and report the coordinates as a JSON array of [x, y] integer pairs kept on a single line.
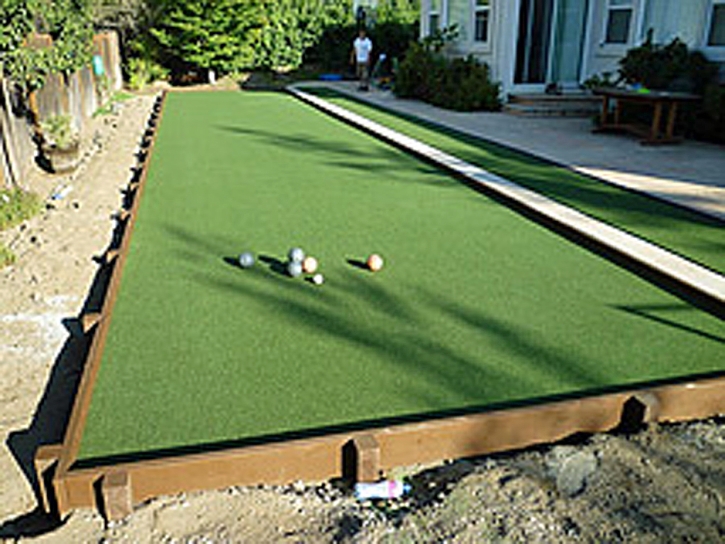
[[381, 159], [649, 312], [690, 233]]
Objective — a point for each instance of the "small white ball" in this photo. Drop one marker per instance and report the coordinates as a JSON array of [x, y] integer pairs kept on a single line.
[[318, 279]]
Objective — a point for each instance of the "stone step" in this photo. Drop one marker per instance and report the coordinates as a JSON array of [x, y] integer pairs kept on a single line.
[[552, 110], [569, 98]]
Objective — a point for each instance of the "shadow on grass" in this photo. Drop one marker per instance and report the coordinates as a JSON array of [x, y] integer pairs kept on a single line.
[[689, 233], [650, 313], [380, 159], [409, 346]]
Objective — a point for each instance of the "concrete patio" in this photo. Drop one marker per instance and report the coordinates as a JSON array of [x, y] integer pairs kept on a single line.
[[691, 174]]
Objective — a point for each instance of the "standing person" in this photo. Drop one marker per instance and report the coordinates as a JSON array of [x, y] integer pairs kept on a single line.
[[361, 56]]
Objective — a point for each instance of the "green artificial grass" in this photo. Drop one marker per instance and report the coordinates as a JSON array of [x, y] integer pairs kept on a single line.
[[476, 306], [690, 234]]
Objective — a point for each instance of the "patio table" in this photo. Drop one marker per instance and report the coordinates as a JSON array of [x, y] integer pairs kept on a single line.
[[659, 100]]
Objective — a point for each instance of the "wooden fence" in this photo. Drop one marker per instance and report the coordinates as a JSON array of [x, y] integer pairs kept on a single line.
[[78, 95]]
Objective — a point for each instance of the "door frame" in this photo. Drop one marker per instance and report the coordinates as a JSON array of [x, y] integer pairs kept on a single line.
[[583, 50]]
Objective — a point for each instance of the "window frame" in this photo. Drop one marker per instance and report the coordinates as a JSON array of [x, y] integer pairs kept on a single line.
[[710, 21], [475, 10], [715, 53], [434, 13], [609, 7]]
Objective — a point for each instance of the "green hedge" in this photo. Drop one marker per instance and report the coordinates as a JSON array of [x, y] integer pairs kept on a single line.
[[332, 51], [229, 36], [461, 84]]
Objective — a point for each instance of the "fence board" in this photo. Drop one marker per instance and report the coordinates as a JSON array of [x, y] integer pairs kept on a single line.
[[18, 149], [76, 95]]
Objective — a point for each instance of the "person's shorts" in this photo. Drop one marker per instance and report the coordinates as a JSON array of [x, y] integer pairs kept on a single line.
[[362, 71]]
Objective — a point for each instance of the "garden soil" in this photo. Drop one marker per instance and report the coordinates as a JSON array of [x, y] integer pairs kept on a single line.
[[665, 483]]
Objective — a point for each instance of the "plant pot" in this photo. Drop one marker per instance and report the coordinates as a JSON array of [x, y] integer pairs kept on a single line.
[[63, 159]]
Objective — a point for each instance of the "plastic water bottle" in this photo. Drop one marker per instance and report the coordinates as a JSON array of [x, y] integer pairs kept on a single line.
[[386, 489]]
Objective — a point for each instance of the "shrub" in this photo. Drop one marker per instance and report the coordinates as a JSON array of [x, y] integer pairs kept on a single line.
[[670, 67], [674, 67], [58, 131], [465, 85], [709, 121], [414, 75], [16, 206], [331, 51], [7, 257], [142, 71], [462, 84]]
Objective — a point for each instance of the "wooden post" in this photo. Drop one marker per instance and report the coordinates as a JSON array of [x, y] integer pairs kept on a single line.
[[7, 136], [651, 405], [605, 111], [670, 134], [367, 464], [90, 320], [656, 121], [618, 112], [116, 491], [45, 460]]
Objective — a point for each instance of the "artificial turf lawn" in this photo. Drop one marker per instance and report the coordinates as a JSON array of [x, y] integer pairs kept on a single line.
[[476, 305], [687, 233]]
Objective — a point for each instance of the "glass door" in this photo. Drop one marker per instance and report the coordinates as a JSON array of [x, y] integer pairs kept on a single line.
[[533, 47], [568, 47]]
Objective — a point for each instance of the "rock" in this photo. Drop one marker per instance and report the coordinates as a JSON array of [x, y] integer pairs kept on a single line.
[[574, 472]]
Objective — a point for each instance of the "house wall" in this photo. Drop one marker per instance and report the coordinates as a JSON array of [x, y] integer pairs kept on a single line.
[[685, 19]]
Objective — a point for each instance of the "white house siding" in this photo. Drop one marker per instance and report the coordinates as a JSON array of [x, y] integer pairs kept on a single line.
[[600, 56], [672, 19], [686, 19]]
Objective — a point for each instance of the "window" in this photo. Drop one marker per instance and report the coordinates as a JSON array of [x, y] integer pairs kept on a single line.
[[619, 20], [481, 18], [434, 16], [716, 35]]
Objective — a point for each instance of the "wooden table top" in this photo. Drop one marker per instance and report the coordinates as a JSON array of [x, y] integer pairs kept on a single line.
[[617, 92]]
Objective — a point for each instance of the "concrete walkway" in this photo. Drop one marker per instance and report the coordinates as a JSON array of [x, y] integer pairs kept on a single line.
[[691, 174]]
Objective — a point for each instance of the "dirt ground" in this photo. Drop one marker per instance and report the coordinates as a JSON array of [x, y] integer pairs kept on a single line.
[[663, 484]]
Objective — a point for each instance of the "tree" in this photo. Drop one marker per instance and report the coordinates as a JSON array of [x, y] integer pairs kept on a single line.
[[23, 64], [68, 22], [209, 34]]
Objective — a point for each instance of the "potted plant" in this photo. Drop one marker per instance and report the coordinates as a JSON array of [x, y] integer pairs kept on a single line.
[[61, 143]]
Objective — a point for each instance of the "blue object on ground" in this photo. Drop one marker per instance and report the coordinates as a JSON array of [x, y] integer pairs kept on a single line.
[[330, 77]]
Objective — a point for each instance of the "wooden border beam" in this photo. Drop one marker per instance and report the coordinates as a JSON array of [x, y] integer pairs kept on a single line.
[[367, 458], [117, 495], [45, 461]]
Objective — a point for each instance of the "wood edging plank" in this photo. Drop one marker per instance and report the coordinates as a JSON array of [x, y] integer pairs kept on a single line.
[[320, 458], [79, 412]]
